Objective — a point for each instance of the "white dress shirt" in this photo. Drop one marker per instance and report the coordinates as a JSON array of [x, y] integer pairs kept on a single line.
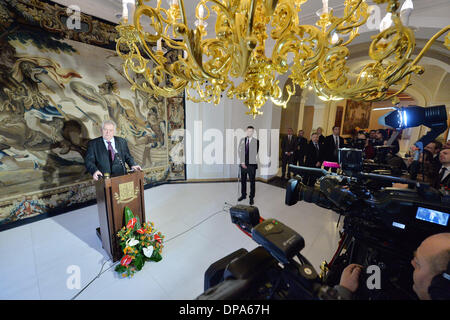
[[336, 140], [447, 172]]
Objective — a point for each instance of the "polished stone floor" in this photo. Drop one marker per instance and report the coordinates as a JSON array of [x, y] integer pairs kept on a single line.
[[37, 259]]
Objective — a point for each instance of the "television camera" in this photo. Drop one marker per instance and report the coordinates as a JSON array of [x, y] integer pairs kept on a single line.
[[274, 270], [382, 225]]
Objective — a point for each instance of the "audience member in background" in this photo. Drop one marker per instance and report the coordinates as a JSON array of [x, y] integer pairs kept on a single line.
[[443, 177], [320, 135], [434, 147], [381, 137], [314, 157], [300, 151], [372, 136], [288, 147], [332, 144]]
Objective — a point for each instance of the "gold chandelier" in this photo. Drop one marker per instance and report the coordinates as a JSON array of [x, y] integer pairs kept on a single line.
[[209, 67]]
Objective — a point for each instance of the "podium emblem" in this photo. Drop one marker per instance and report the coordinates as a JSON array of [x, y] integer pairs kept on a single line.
[[127, 192]]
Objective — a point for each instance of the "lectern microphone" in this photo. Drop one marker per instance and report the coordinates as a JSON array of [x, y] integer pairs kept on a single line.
[[121, 162]]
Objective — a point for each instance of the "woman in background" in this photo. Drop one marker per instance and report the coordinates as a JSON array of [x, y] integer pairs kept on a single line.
[[321, 137]]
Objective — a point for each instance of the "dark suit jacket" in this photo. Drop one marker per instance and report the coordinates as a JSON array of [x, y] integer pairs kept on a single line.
[[313, 156], [444, 183], [321, 139], [98, 158], [330, 147], [250, 157], [301, 145], [287, 146]]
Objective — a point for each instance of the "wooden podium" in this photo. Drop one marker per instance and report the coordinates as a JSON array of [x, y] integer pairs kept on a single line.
[[113, 195]]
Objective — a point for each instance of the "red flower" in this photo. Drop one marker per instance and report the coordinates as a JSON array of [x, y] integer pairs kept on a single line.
[[158, 238], [126, 260], [131, 223], [140, 231]]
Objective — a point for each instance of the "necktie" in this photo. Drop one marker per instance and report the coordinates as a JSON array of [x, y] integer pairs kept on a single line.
[[246, 145], [441, 176], [111, 150], [336, 141]]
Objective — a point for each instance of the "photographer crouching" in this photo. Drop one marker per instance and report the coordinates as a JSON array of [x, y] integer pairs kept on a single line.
[[431, 271]]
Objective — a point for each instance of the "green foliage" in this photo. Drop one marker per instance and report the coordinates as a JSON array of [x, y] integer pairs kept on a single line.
[[156, 256]]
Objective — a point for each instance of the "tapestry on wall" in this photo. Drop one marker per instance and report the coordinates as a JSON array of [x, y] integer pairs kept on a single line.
[[56, 88], [357, 115]]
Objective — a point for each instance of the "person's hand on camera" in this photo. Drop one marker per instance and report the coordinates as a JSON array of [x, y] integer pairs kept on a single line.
[[243, 165], [350, 277], [97, 174], [318, 164], [136, 168]]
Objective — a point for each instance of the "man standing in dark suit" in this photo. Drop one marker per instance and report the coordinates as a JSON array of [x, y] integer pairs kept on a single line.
[[332, 144], [435, 148], [300, 152], [314, 157], [288, 146], [443, 178], [108, 153], [248, 151]]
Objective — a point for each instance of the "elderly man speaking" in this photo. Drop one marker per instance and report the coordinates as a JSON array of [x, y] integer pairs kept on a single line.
[[108, 154]]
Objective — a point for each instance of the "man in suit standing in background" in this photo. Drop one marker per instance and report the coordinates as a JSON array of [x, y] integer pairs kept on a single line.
[[314, 157], [300, 151], [288, 147], [248, 151], [108, 154], [332, 144], [442, 180]]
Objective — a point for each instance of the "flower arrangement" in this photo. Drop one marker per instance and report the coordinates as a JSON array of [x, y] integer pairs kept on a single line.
[[138, 243]]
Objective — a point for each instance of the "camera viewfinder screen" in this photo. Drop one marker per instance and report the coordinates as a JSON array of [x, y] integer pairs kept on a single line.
[[432, 216]]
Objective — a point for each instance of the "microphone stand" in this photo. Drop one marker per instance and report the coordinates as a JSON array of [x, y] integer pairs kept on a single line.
[[121, 162]]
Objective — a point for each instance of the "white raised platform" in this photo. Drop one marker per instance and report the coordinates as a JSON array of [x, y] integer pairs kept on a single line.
[[34, 258]]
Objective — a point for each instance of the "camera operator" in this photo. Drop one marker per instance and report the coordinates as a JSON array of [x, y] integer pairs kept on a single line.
[[380, 137], [430, 260], [363, 143]]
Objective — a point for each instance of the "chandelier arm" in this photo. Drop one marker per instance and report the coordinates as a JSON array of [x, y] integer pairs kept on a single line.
[[340, 27], [251, 17], [429, 43]]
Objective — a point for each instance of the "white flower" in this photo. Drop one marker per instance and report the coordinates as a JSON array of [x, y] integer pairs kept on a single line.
[[148, 251], [132, 242]]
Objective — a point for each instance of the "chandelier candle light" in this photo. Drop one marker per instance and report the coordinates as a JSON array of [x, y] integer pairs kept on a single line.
[[234, 60]]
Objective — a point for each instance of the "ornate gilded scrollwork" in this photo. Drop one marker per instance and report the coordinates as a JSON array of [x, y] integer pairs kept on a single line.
[[312, 55]]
